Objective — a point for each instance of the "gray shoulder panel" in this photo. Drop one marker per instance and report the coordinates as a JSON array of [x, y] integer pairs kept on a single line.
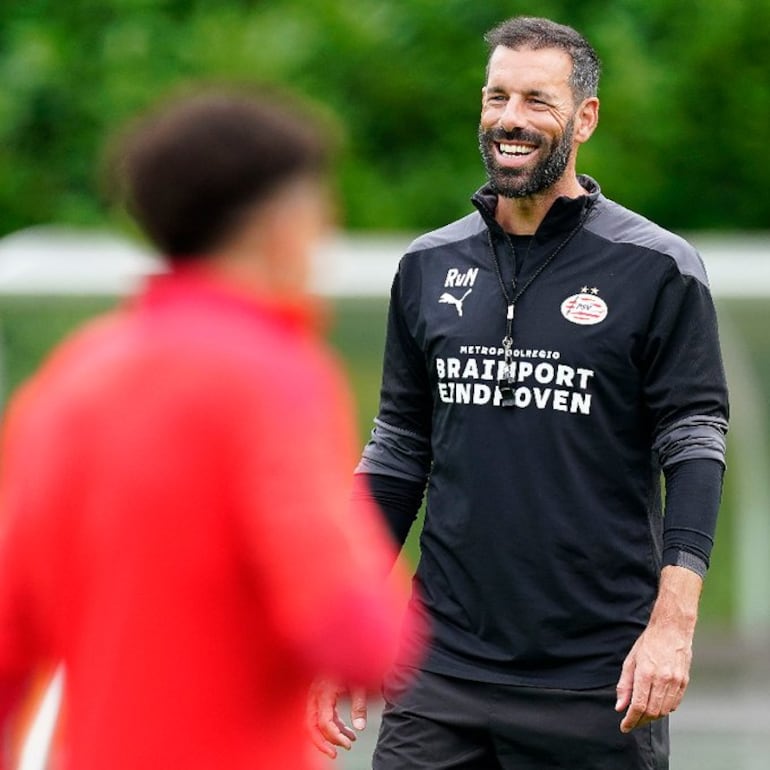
[[456, 231], [618, 224]]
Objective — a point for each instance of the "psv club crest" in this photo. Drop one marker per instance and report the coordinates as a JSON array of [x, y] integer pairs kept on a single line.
[[586, 308]]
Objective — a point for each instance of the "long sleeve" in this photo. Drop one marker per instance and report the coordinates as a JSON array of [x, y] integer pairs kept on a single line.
[[686, 394], [684, 382], [398, 500], [400, 442], [693, 494]]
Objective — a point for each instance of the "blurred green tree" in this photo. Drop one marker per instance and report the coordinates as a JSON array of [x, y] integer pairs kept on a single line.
[[682, 137]]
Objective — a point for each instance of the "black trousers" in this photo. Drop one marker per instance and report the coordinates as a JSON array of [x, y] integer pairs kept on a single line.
[[435, 722]]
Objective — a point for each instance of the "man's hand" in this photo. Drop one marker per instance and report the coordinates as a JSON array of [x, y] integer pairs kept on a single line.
[[656, 672], [327, 729]]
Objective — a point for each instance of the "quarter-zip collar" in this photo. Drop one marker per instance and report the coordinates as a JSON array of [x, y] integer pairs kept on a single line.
[[563, 215]]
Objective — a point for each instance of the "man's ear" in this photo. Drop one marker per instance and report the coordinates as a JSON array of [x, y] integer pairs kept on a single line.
[[586, 119]]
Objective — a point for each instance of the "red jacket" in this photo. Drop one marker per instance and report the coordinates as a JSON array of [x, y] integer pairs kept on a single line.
[[175, 528]]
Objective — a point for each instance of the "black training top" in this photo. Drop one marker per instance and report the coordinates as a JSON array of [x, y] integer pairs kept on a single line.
[[543, 538]]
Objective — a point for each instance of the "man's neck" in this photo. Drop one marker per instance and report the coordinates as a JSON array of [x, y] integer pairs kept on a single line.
[[522, 216]]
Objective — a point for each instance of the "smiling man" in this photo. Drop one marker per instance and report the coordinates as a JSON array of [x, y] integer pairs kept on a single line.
[[562, 601], [523, 162]]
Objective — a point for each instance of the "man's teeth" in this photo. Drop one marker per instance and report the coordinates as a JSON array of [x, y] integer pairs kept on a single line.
[[515, 149]]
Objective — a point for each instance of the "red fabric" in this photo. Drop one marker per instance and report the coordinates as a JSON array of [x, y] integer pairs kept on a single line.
[[176, 529]]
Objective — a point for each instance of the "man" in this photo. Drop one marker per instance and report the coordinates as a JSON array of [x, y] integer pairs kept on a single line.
[[546, 357], [174, 523]]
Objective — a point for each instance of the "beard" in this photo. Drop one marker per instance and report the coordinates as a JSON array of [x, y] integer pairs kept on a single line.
[[521, 182]]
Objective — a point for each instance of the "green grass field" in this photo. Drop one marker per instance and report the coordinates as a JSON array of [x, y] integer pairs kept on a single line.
[[30, 326]]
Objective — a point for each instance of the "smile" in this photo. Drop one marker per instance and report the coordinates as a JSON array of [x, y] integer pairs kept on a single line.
[[515, 149]]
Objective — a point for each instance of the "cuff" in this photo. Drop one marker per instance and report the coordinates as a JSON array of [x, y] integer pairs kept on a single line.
[[673, 557]]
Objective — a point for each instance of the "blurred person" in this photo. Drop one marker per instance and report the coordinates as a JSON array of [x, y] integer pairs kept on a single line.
[[546, 358], [174, 490]]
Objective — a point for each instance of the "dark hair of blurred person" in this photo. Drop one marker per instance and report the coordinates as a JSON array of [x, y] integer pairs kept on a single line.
[[192, 172]]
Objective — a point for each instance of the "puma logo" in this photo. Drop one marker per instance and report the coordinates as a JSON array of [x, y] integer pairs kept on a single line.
[[448, 299]]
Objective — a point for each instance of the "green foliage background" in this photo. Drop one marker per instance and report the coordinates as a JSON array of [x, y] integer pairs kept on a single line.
[[683, 135]]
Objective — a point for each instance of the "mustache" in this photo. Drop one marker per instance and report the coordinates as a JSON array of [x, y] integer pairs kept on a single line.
[[516, 135]]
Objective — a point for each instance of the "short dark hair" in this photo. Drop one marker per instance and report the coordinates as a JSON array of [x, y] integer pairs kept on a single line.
[[190, 169], [536, 33]]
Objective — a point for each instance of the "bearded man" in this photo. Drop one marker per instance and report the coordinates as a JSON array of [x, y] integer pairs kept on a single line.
[[578, 360]]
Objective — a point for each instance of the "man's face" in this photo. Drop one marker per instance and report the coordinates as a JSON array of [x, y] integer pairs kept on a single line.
[[527, 120]]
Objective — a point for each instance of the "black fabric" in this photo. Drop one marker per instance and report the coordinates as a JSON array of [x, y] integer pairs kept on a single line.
[[693, 493], [399, 500], [543, 537], [434, 722], [521, 245]]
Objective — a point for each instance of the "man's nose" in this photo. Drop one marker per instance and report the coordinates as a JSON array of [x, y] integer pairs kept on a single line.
[[512, 116]]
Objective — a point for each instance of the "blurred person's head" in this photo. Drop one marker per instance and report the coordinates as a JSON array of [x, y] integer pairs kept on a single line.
[[232, 179]]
